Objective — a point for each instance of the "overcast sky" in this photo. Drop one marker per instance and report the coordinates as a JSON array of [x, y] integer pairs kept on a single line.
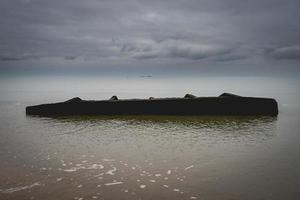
[[171, 34]]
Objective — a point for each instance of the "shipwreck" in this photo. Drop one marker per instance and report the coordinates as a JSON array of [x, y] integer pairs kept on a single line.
[[225, 104]]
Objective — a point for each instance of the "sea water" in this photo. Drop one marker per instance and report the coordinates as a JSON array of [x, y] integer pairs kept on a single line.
[[147, 157]]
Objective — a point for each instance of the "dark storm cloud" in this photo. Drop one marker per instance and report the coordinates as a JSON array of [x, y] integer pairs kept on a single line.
[[119, 30], [4, 58], [289, 52], [17, 58]]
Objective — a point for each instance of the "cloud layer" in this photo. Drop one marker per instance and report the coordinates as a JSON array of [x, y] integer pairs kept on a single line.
[[119, 31]]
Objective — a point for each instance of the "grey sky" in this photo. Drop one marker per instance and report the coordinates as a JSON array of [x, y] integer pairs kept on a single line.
[[108, 33]]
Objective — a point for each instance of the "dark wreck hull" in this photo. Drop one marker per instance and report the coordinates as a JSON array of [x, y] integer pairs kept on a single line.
[[167, 106]]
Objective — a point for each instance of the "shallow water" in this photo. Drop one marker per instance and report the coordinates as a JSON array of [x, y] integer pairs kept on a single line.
[[147, 157]]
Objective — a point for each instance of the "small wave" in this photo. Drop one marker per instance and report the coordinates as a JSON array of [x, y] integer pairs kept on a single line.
[[189, 167], [16, 189], [96, 166], [113, 183], [111, 172]]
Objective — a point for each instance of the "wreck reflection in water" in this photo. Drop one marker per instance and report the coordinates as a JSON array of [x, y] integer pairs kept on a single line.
[[217, 128]]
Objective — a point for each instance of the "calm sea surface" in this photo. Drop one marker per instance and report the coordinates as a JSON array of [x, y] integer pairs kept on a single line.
[[148, 157]]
